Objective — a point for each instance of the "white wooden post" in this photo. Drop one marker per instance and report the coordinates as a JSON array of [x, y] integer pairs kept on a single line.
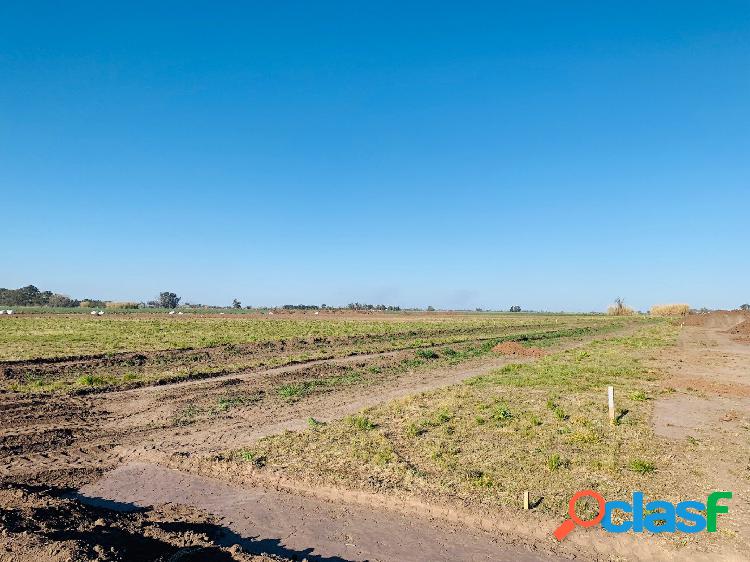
[[611, 400], [526, 500]]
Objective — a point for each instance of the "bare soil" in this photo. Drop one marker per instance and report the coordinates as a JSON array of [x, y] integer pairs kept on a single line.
[[725, 319], [706, 400], [42, 523], [515, 349], [296, 526]]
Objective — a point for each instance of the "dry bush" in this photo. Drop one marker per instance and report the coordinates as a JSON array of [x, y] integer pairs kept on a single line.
[[122, 305], [620, 308], [670, 309], [623, 310]]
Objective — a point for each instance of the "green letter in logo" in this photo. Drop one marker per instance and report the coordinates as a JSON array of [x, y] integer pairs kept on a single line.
[[712, 509]]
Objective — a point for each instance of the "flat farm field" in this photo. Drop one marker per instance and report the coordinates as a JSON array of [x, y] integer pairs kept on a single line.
[[25, 337]]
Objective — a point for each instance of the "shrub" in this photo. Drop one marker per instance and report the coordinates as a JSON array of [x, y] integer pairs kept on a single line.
[[669, 310], [427, 354]]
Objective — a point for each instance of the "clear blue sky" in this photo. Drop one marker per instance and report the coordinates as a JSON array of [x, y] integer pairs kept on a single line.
[[549, 154]]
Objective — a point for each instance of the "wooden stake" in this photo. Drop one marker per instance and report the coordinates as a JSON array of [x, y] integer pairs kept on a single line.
[[611, 400], [526, 500]]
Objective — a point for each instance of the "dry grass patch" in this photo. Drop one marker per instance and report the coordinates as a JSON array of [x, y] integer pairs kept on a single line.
[[670, 310]]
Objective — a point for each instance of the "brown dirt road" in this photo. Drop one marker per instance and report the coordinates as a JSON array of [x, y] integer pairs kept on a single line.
[[708, 403], [297, 527]]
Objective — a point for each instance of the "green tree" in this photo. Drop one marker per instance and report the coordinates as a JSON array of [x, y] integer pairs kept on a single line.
[[168, 300]]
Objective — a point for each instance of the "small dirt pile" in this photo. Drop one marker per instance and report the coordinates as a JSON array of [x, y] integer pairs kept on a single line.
[[515, 349], [741, 332], [39, 524]]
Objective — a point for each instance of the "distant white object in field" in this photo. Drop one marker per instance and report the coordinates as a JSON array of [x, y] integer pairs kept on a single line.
[[221, 313], [9, 311], [171, 311], [180, 313], [93, 312], [2, 312], [270, 312], [100, 313], [316, 313]]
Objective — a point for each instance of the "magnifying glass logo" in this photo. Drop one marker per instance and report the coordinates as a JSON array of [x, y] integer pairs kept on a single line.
[[569, 524]]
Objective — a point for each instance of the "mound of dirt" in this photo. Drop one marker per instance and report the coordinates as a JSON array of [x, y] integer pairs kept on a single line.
[[515, 349], [39, 524], [741, 331], [717, 319]]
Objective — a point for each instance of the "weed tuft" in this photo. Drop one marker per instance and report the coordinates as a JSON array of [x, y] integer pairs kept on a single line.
[[641, 466], [361, 423]]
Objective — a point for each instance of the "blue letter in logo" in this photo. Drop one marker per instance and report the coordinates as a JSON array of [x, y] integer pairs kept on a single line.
[[696, 518]]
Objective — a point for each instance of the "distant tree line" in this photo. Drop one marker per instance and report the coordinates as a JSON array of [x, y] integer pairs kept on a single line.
[[361, 306], [32, 296]]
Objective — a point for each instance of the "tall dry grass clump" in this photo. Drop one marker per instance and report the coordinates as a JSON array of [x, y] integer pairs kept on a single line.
[[129, 305], [624, 310], [670, 310], [620, 308]]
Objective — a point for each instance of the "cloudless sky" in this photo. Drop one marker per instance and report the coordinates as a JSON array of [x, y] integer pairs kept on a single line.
[[551, 154]]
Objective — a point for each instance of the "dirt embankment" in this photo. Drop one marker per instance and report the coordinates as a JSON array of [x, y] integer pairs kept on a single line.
[[741, 332], [717, 319], [733, 322]]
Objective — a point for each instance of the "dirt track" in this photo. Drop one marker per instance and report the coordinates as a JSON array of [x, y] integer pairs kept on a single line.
[[66, 439], [708, 403], [296, 526]]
